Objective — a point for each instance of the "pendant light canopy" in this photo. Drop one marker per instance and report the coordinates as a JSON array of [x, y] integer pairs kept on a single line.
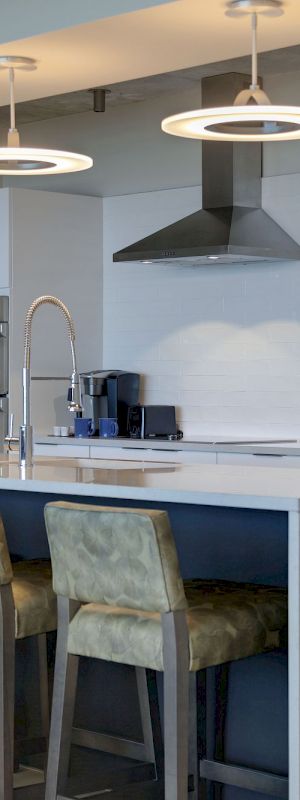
[[252, 117], [17, 160]]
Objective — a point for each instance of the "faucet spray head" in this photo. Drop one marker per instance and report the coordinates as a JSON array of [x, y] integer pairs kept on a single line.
[[74, 394]]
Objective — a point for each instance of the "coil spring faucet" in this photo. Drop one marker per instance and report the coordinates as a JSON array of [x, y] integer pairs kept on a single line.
[[74, 404]]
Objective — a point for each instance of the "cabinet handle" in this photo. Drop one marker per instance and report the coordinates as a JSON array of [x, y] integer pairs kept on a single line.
[[3, 330], [268, 455]]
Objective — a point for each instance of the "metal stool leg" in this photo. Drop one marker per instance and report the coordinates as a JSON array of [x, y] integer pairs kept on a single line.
[[65, 681], [150, 717], [176, 688], [7, 691], [221, 695], [207, 728], [193, 739], [43, 683], [142, 687]]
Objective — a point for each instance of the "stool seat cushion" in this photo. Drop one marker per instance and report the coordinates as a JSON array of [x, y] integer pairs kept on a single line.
[[34, 599], [226, 621]]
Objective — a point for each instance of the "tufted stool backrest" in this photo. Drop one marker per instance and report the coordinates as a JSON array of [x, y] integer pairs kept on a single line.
[[115, 556]]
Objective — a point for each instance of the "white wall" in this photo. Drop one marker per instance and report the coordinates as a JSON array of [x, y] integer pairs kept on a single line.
[[56, 244], [222, 343]]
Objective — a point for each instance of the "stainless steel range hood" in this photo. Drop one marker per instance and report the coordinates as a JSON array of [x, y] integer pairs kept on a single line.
[[231, 226]]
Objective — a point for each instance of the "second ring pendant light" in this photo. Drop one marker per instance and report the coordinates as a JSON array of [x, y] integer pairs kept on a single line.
[[18, 160], [252, 117]]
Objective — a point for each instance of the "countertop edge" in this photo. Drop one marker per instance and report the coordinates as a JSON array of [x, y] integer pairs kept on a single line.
[[152, 494], [259, 449]]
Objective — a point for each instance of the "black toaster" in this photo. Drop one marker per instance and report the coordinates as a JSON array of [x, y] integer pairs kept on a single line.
[[151, 422]]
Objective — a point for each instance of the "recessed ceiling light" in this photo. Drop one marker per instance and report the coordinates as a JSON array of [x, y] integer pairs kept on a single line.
[[147, 262], [252, 117], [17, 160], [213, 258]]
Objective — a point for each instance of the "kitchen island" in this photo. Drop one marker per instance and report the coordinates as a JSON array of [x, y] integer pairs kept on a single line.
[[229, 522]]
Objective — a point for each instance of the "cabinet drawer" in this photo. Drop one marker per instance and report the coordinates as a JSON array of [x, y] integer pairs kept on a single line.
[[149, 454], [259, 460], [61, 450]]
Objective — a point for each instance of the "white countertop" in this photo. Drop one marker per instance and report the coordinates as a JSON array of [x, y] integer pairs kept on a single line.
[[280, 447], [208, 484]]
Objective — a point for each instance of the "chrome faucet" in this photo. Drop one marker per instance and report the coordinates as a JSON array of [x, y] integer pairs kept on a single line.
[[74, 395]]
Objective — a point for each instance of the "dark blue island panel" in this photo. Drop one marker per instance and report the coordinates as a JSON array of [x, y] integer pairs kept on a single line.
[[224, 543]]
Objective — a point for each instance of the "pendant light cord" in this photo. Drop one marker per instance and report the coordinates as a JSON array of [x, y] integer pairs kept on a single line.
[[13, 139], [254, 52], [11, 72]]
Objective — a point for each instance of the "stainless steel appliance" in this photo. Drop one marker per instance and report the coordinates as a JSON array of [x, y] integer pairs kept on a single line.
[[109, 394], [152, 422], [4, 309], [231, 227]]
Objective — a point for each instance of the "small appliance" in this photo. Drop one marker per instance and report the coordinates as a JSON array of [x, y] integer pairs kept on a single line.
[[152, 422], [109, 394]]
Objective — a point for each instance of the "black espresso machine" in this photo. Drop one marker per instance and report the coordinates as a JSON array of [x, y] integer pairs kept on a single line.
[[109, 394]]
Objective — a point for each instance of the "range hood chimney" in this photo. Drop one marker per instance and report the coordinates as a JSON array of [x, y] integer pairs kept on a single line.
[[231, 226]]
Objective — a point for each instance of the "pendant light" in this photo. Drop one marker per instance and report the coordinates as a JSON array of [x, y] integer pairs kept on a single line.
[[252, 117], [17, 160]]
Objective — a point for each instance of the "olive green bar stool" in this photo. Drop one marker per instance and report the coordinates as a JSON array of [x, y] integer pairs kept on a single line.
[[121, 598], [28, 607]]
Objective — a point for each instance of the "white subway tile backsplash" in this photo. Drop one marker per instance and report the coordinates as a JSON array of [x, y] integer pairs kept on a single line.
[[212, 398], [220, 343], [206, 367], [215, 383], [159, 368], [271, 382]]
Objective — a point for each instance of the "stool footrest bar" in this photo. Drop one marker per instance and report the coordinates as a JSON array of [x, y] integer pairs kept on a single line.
[[135, 791], [116, 745], [245, 778]]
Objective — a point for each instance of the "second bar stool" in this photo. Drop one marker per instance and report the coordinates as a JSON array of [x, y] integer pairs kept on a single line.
[[121, 598], [27, 608]]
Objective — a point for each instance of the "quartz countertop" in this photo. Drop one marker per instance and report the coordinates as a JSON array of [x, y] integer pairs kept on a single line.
[[208, 484], [268, 446]]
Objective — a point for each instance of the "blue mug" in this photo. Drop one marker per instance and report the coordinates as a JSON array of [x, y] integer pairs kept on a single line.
[[83, 427], [108, 427]]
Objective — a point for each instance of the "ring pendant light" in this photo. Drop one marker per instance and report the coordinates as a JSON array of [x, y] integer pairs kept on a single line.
[[252, 117], [17, 160]]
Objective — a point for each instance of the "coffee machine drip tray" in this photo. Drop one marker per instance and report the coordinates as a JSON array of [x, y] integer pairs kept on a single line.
[[109, 393]]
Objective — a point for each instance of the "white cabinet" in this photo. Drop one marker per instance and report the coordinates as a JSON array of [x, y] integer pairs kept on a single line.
[[62, 450], [107, 453], [51, 243], [251, 459], [148, 454]]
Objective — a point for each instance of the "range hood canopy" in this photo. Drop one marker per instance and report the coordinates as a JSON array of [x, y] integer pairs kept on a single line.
[[231, 226]]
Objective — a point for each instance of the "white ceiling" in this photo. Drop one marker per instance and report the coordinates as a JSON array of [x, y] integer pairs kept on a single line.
[[19, 20], [167, 37]]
